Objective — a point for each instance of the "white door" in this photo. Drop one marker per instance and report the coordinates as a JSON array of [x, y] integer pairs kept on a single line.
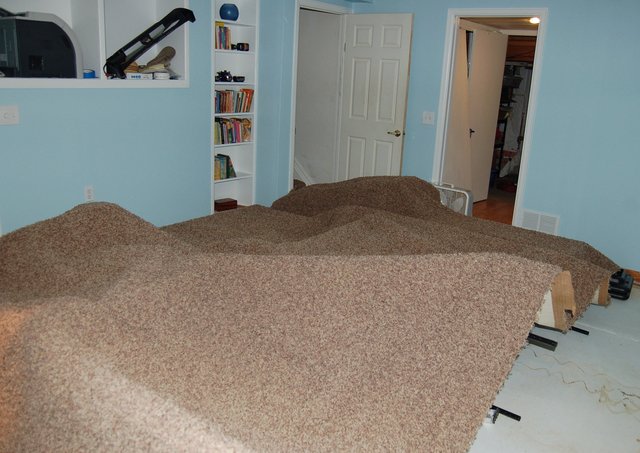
[[457, 156], [374, 94], [474, 104], [489, 50]]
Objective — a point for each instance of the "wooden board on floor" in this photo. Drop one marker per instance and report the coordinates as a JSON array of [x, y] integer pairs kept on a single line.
[[564, 303]]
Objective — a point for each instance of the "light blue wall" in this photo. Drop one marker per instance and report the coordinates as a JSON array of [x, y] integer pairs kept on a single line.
[[145, 149], [274, 103], [584, 161], [585, 164]]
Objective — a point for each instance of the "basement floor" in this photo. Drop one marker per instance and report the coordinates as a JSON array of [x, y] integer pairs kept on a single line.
[[497, 207], [582, 397]]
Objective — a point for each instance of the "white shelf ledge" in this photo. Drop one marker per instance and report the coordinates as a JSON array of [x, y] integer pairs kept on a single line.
[[10, 82], [237, 178], [229, 145]]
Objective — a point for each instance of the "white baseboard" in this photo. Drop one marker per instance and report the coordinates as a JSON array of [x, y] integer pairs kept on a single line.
[[299, 172]]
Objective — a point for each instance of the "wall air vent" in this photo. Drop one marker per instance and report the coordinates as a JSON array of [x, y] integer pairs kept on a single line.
[[539, 221]]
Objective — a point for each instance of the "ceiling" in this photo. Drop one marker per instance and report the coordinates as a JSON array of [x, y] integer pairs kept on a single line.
[[521, 48]]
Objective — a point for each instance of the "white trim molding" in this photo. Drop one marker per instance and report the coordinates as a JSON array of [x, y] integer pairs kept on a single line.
[[317, 5]]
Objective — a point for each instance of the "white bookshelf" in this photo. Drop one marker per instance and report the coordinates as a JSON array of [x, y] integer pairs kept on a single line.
[[238, 63], [103, 27]]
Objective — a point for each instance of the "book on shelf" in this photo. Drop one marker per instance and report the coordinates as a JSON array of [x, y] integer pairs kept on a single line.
[[216, 169], [223, 167], [220, 169], [223, 36], [231, 130], [229, 170], [233, 101]]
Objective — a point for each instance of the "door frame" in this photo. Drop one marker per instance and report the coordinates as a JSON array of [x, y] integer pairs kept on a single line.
[[314, 5], [453, 17]]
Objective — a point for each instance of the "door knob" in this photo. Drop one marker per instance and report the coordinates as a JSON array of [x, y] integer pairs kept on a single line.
[[397, 132]]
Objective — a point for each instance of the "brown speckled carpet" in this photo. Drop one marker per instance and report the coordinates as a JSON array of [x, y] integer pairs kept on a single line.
[[309, 326], [386, 216]]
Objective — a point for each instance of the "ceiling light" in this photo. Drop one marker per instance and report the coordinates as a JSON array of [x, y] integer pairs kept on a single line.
[[535, 20]]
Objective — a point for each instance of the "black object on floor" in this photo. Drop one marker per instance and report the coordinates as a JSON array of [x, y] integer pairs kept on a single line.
[[494, 411], [579, 330], [620, 284], [542, 342]]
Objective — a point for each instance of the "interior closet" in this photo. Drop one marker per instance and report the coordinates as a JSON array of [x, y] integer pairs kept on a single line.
[[512, 117], [510, 128]]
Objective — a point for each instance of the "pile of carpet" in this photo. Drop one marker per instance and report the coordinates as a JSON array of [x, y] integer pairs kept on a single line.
[[331, 321]]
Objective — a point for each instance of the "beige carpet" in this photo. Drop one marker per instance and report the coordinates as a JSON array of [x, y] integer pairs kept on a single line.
[[386, 216], [117, 336]]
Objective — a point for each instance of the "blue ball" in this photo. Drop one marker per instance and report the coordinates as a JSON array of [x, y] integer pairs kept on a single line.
[[229, 11]]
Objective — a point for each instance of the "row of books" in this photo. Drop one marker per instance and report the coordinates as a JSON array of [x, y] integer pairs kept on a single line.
[[231, 130], [233, 101], [223, 167], [223, 36]]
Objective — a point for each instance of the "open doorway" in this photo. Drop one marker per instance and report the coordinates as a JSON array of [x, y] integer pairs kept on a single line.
[[317, 101], [350, 94], [484, 148], [510, 127]]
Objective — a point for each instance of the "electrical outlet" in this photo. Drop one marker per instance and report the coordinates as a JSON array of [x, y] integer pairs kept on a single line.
[[9, 114], [88, 193], [428, 117]]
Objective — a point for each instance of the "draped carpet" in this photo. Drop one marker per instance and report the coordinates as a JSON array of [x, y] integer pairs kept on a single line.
[[343, 324]]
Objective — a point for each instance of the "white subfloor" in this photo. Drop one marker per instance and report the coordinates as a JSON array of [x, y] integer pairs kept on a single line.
[[583, 397]]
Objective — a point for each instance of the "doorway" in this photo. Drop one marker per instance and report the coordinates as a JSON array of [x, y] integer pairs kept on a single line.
[[508, 123], [349, 94], [316, 92], [509, 137], [317, 96]]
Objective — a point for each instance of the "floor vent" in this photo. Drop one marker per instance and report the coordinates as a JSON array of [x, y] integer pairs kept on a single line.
[[539, 221]]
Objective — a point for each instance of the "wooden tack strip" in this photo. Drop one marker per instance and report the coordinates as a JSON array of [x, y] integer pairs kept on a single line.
[[603, 296], [564, 303]]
